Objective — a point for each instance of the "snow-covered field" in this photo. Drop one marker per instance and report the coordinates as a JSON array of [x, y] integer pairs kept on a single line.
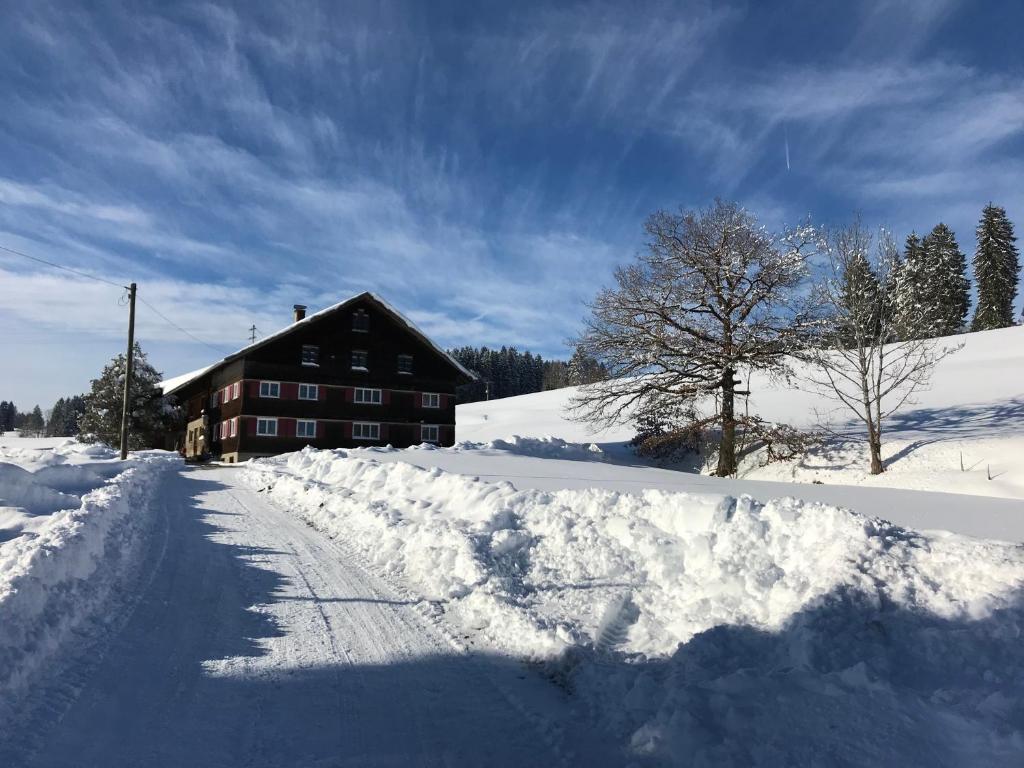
[[973, 411], [71, 519]]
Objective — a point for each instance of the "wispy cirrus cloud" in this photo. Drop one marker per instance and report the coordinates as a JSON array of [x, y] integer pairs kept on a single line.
[[483, 169]]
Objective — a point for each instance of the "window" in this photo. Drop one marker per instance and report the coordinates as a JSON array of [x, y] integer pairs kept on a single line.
[[266, 427], [431, 400], [227, 394], [405, 363], [310, 355], [360, 321], [428, 433], [305, 428], [362, 430], [370, 396], [309, 392], [223, 430], [359, 360], [234, 425], [270, 389], [214, 399], [236, 390]]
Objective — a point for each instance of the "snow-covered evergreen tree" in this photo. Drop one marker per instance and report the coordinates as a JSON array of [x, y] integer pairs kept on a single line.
[[908, 299], [947, 290], [859, 294], [150, 414], [996, 270], [889, 285]]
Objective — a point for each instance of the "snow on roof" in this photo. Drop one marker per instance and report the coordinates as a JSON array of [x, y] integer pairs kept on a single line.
[[168, 385], [177, 382]]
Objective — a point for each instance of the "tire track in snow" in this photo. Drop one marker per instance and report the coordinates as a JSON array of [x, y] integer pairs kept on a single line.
[[260, 641]]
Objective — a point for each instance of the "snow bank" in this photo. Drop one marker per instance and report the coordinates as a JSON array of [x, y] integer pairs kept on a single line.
[[60, 573], [21, 488], [686, 620]]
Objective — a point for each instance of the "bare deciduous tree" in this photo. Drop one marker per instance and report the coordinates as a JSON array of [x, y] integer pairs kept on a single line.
[[714, 292], [856, 360]]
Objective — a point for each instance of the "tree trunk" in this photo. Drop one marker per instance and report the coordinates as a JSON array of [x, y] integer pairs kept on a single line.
[[727, 443], [875, 446]]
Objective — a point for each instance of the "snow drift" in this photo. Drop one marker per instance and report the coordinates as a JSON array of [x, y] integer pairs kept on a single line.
[[684, 620]]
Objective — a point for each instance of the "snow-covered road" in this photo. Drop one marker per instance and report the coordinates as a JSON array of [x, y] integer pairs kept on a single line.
[[259, 641]]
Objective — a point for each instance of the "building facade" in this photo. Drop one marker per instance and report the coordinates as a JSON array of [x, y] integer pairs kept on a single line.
[[355, 374]]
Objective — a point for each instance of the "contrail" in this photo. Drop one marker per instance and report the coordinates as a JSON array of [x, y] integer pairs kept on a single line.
[[786, 133]]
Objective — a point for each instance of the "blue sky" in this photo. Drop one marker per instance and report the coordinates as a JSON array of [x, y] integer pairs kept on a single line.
[[484, 166]]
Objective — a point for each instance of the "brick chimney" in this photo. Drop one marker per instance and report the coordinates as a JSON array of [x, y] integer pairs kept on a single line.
[[300, 311]]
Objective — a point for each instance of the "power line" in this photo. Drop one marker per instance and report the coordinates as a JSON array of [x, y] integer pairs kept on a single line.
[[175, 325], [60, 266], [108, 282]]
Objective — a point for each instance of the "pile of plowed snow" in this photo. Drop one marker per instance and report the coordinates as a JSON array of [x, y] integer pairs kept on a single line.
[[703, 627], [68, 536]]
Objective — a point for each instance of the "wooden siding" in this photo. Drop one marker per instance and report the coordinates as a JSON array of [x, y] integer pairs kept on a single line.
[[400, 412]]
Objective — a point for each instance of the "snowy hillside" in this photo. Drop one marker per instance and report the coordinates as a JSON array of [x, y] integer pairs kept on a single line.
[[974, 407]]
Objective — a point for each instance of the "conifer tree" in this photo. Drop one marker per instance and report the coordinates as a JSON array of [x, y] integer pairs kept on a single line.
[[859, 288], [8, 411], [909, 298], [996, 270], [889, 284], [149, 413], [947, 291], [56, 420], [584, 369], [34, 423]]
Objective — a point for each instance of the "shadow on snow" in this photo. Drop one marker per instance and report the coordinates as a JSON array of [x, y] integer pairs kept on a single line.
[[853, 679]]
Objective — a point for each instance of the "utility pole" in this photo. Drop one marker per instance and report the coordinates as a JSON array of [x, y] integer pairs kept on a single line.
[[252, 334], [128, 372]]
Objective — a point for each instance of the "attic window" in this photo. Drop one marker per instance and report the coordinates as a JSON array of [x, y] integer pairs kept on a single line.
[[311, 355], [359, 360], [361, 321], [405, 363]]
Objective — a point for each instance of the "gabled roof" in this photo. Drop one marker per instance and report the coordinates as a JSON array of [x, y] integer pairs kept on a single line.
[[173, 384]]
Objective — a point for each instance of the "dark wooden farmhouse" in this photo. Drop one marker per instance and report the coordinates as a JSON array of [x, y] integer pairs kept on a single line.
[[354, 374]]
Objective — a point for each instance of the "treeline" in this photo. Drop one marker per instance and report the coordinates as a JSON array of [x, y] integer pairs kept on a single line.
[[507, 372], [929, 291], [63, 421]]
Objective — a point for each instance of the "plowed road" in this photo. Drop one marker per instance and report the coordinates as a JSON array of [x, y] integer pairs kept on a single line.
[[257, 641]]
